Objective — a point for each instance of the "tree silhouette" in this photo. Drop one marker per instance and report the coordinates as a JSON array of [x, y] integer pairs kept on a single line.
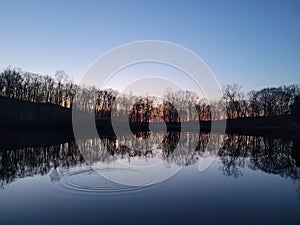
[[62, 91]]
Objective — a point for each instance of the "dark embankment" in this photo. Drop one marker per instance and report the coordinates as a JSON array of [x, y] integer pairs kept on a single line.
[[28, 137], [19, 114], [279, 125]]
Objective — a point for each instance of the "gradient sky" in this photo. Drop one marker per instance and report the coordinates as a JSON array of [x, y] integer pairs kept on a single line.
[[252, 43]]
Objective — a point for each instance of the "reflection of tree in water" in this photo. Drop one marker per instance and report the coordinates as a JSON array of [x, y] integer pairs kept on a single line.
[[274, 157], [157, 145], [31, 161], [268, 154], [233, 154], [169, 145]]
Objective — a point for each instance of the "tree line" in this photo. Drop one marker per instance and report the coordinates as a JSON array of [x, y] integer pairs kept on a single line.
[[16, 84], [265, 102], [173, 107]]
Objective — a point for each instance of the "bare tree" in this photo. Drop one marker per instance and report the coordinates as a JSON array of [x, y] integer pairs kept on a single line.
[[233, 98]]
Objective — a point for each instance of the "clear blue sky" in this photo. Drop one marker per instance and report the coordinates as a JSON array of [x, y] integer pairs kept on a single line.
[[253, 43]]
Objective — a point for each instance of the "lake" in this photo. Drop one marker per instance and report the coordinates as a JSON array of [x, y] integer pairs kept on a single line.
[[148, 178]]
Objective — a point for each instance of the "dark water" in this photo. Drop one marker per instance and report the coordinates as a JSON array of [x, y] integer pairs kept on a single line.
[[216, 179]]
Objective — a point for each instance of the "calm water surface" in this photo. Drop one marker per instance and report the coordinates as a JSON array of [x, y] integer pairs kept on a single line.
[[251, 180]]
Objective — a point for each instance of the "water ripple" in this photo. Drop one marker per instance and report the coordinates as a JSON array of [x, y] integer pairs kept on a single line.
[[85, 180]]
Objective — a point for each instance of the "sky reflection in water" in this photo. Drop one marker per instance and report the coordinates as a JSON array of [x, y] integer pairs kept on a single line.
[[252, 180]]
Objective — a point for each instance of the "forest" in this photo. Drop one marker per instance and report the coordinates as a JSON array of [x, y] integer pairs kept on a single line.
[[62, 91]]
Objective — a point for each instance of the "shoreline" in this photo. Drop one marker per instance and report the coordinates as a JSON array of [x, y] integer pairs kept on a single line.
[[16, 114]]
